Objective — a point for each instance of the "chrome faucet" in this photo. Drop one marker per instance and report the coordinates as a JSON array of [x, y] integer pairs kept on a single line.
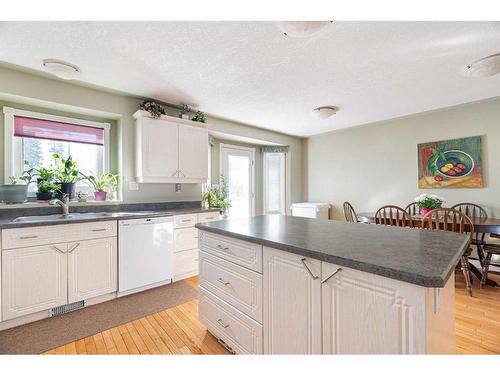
[[64, 204]]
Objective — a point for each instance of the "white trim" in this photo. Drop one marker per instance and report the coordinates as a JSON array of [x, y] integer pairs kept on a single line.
[[9, 148], [283, 183], [221, 168]]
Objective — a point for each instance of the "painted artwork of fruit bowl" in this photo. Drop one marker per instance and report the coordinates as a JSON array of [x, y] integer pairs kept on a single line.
[[454, 164]]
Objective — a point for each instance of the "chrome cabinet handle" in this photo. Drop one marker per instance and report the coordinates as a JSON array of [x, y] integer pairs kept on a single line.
[[183, 175], [27, 237], [100, 230], [333, 274], [221, 280], [173, 174], [223, 248], [185, 220], [221, 323], [73, 248], [61, 251], [303, 260]]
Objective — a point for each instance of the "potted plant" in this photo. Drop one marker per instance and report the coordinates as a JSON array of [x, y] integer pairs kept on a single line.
[[46, 190], [15, 192], [427, 203], [184, 114], [66, 174], [218, 197], [155, 109], [100, 183], [199, 116], [44, 174]]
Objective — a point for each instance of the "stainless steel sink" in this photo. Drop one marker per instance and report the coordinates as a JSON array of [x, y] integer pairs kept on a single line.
[[35, 219]]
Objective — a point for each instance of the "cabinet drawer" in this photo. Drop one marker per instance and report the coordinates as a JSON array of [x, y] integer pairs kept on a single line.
[[208, 216], [185, 263], [234, 284], [242, 334], [184, 221], [185, 239], [244, 253], [47, 234]]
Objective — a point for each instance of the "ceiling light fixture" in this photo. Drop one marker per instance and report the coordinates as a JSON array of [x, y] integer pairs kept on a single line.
[[61, 69], [302, 29], [324, 112], [485, 67]]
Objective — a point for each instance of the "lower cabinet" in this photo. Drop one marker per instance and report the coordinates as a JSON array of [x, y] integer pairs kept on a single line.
[[292, 303], [39, 278], [92, 268], [33, 279]]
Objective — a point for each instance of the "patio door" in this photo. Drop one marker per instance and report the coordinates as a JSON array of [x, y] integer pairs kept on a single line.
[[237, 167]]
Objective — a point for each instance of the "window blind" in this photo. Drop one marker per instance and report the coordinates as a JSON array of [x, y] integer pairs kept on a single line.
[[57, 131]]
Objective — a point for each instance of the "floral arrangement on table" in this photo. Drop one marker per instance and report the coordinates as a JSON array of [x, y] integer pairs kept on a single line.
[[155, 109], [428, 202]]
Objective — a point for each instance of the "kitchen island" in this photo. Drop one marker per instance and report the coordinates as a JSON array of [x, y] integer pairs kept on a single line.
[[277, 284]]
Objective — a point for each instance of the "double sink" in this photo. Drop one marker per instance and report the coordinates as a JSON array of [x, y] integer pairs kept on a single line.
[[79, 216]]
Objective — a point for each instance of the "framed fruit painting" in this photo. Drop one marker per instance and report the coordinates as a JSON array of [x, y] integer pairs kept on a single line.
[[454, 163]]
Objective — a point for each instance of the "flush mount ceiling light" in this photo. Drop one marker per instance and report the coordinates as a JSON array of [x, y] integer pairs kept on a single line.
[[485, 67], [324, 112], [302, 29], [61, 69]]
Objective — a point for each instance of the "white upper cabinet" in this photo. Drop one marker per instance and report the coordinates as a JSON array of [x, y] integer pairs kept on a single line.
[[170, 150]]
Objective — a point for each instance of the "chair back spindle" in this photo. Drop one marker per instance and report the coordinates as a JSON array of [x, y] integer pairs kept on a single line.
[[349, 213], [393, 215]]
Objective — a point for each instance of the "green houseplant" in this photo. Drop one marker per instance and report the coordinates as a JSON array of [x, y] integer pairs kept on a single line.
[[16, 192], [199, 116], [428, 202], [102, 182], [46, 190], [66, 174], [218, 196]]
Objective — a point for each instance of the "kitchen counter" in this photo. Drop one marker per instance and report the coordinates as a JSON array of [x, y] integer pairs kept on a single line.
[[421, 257], [83, 214]]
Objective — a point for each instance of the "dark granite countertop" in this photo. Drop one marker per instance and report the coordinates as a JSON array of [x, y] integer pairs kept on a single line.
[[416, 256], [83, 214]]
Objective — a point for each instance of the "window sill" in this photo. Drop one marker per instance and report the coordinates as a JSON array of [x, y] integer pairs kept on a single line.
[[72, 204]]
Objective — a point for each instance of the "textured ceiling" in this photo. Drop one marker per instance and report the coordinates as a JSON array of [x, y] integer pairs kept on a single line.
[[250, 72]]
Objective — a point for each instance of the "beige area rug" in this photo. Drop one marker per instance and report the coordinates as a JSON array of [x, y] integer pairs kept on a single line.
[[50, 333]]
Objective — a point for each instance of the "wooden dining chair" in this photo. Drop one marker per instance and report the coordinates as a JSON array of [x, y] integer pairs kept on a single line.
[[349, 213], [393, 215], [453, 220], [412, 209]]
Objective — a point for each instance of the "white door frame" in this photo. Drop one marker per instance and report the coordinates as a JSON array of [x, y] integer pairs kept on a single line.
[[223, 146]]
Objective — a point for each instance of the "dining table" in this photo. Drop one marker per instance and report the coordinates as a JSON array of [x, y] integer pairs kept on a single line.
[[481, 225]]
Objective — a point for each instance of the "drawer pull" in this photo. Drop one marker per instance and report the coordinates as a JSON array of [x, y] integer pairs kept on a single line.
[[222, 281], [186, 220], [100, 230], [61, 251], [222, 324], [27, 237], [223, 248], [331, 275], [303, 260], [73, 248]]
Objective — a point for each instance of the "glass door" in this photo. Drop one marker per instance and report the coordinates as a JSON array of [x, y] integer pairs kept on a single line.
[[237, 167]]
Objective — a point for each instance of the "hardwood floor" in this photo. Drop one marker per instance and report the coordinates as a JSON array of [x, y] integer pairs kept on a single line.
[[178, 331]]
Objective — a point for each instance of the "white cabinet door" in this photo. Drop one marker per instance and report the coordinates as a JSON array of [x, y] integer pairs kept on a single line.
[[33, 279], [365, 313], [159, 140], [193, 152], [92, 268], [292, 303]]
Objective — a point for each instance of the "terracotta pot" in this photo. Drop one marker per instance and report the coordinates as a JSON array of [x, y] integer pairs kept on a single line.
[[100, 195], [425, 211]]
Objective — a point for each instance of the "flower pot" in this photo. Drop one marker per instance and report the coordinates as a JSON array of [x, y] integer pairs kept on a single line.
[[424, 211], [68, 188], [44, 196], [100, 195], [13, 193]]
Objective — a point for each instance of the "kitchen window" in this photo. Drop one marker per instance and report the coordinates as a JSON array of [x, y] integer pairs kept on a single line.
[[274, 182], [35, 137]]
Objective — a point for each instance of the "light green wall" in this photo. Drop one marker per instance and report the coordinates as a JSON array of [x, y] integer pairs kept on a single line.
[[376, 164], [54, 95]]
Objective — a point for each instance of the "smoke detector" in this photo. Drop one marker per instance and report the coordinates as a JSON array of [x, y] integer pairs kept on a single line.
[[324, 112], [302, 29], [61, 69], [485, 67]]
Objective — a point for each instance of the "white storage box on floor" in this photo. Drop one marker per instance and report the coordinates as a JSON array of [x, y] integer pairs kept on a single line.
[[312, 210]]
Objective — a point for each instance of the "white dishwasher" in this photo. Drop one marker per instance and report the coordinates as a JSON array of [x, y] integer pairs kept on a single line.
[[145, 253]]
